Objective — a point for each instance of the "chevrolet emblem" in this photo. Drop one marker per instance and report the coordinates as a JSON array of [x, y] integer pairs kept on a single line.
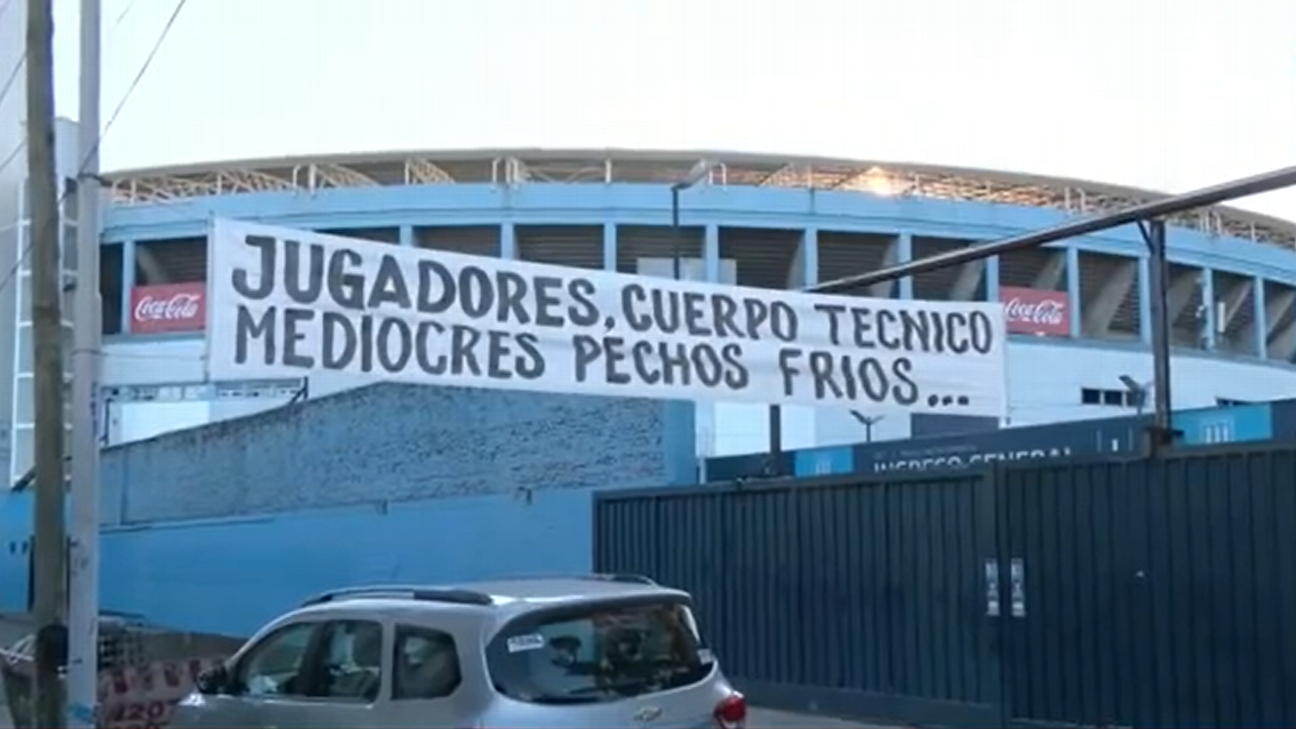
[[647, 714]]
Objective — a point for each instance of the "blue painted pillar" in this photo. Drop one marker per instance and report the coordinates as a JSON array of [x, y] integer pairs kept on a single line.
[[992, 278], [508, 241], [128, 283], [1208, 300], [711, 253], [407, 235], [1145, 300], [904, 254], [809, 256], [1075, 299], [609, 247], [1260, 313]]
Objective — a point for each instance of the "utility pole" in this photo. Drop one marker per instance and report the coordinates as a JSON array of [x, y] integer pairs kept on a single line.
[[83, 582], [49, 539]]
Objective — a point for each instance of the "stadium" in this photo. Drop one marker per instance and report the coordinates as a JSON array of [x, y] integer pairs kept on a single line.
[[272, 474], [1078, 312]]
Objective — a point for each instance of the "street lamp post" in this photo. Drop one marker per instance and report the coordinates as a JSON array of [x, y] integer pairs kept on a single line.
[[695, 175], [1137, 391], [676, 243], [868, 422]]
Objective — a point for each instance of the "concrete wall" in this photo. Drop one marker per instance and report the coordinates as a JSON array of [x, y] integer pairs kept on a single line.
[[392, 443], [222, 527]]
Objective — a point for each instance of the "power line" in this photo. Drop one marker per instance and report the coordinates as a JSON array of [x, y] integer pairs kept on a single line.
[[13, 77], [13, 155], [4, 92], [122, 16], [148, 61]]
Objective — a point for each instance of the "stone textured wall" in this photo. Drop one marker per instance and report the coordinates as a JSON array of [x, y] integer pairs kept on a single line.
[[397, 443]]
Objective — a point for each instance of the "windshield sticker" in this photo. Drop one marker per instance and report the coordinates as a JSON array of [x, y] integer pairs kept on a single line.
[[519, 643]]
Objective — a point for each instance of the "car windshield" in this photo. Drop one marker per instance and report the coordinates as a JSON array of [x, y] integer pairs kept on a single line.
[[598, 653]]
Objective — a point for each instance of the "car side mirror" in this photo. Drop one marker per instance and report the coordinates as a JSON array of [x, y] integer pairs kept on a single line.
[[214, 680]]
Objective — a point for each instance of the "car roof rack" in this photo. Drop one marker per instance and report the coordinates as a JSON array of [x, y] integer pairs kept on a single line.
[[411, 592], [625, 577]]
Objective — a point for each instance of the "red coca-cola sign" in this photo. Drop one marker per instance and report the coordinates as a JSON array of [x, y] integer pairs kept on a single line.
[[1035, 311], [168, 308]]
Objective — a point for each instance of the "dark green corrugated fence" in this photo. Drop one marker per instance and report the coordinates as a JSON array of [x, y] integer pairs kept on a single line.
[[1157, 594]]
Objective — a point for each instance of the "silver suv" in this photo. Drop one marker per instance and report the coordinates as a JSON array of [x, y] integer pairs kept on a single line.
[[597, 651]]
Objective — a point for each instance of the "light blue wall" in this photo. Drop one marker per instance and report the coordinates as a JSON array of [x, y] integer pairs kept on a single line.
[[1083, 363], [611, 205], [628, 204], [233, 576], [218, 527], [1238, 423]]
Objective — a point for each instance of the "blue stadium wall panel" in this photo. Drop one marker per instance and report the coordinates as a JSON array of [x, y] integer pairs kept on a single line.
[[231, 576], [1205, 426], [218, 527]]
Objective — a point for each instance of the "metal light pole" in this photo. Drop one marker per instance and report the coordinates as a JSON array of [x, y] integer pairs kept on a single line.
[[868, 422], [1154, 234], [1138, 391], [695, 175], [83, 585], [675, 229]]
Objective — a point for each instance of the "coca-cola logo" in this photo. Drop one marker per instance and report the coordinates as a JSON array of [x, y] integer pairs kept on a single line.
[[1035, 311], [177, 307], [1047, 312], [165, 308]]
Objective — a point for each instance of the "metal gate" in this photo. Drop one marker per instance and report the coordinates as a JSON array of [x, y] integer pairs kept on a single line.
[[841, 596], [1131, 593], [1157, 593]]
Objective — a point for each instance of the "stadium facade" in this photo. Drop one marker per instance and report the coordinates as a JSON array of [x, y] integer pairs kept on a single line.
[[1079, 311]]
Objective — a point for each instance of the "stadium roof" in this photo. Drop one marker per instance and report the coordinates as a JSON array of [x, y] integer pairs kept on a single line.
[[515, 166]]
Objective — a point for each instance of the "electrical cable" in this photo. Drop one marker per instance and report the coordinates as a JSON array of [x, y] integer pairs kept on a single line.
[[13, 75], [36, 234], [12, 155], [122, 16], [4, 93]]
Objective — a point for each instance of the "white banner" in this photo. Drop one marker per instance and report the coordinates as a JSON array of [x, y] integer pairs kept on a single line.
[[288, 302]]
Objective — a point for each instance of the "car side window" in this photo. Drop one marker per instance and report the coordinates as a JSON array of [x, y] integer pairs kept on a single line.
[[425, 665], [351, 653], [273, 667]]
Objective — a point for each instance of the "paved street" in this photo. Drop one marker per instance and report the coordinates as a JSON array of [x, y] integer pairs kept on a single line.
[[770, 719]]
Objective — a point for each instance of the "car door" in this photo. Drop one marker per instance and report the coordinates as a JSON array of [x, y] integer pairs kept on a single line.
[[344, 682], [427, 685], [269, 670]]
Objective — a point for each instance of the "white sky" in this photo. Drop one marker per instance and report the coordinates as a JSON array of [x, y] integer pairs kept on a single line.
[[1163, 94]]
